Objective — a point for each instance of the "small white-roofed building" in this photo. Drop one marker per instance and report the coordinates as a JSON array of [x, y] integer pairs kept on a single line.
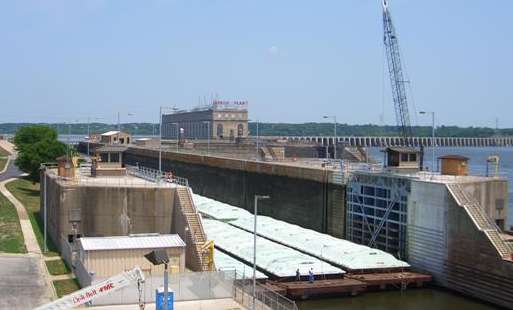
[[108, 256], [115, 137]]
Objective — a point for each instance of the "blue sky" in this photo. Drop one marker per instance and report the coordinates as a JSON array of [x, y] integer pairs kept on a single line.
[[294, 61]]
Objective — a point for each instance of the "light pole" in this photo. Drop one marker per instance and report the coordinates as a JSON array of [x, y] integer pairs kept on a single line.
[[322, 259], [159, 257], [119, 119], [257, 143], [255, 215], [44, 204], [433, 143], [208, 138], [89, 132], [334, 134], [160, 137]]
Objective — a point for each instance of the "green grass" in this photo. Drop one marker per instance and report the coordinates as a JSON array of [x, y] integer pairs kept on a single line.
[[27, 193], [3, 161], [65, 287], [57, 267], [11, 236], [4, 153]]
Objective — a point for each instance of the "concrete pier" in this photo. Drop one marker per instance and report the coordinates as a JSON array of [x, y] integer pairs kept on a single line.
[[400, 141]]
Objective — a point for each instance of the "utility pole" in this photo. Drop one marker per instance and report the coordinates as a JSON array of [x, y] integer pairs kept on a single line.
[[255, 215], [433, 142], [257, 143], [44, 204], [160, 141], [334, 117]]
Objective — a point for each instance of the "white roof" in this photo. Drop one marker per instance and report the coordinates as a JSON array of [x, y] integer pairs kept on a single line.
[[111, 133], [226, 262], [142, 241], [275, 258], [340, 252]]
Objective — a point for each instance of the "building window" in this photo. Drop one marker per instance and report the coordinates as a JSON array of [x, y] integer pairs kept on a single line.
[[220, 130], [240, 130]]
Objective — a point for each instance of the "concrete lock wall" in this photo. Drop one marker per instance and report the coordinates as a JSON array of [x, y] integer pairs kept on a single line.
[[299, 195], [107, 211], [473, 264], [443, 240]]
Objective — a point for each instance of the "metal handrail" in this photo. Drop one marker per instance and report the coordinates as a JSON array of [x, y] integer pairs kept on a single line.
[[156, 176]]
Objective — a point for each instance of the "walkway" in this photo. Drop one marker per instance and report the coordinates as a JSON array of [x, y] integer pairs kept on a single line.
[[24, 278], [28, 234]]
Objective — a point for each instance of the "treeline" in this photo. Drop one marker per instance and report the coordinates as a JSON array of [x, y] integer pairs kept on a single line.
[[277, 129], [327, 129]]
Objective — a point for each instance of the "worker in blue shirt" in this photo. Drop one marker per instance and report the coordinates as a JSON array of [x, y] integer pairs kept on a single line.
[[311, 277]]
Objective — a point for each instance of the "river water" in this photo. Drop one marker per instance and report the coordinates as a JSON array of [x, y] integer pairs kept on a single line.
[[418, 299], [426, 298]]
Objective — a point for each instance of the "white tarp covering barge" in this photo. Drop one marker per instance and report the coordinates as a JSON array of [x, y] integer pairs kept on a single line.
[[225, 212], [343, 253], [274, 258], [225, 262]]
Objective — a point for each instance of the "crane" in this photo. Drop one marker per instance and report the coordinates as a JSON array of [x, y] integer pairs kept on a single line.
[[395, 71], [105, 287]]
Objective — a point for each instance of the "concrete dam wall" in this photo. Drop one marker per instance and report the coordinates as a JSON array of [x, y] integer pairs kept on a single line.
[[299, 195]]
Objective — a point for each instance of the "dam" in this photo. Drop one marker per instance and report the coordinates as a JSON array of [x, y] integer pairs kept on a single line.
[[436, 222]]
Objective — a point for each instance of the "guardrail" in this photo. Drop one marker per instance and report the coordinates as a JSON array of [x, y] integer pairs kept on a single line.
[[265, 298], [156, 176]]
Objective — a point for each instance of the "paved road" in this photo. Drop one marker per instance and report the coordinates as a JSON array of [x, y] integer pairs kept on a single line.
[[22, 282], [11, 172]]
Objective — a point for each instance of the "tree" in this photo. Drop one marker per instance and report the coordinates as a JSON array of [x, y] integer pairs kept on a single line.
[[35, 145]]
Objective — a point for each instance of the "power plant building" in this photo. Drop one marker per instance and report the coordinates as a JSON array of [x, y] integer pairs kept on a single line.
[[221, 120]]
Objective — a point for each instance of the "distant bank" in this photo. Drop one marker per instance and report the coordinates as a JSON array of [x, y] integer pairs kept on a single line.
[[279, 129]]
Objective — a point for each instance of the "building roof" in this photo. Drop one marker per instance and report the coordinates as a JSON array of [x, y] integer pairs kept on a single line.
[[453, 156], [399, 149], [142, 241], [112, 132]]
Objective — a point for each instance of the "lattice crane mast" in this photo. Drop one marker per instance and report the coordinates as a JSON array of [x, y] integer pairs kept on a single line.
[[395, 71]]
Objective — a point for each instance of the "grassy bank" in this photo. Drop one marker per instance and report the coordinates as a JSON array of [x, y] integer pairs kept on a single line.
[[3, 161], [64, 287], [27, 193], [4, 153], [57, 267], [11, 237]]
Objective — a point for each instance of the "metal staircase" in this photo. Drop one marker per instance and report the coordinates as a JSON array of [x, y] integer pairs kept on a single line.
[[196, 235], [480, 219]]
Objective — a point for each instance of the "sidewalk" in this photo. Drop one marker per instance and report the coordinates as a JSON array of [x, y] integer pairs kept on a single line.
[[29, 236], [212, 304]]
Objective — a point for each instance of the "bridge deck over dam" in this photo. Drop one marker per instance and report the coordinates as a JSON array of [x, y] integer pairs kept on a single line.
[[400, 141]]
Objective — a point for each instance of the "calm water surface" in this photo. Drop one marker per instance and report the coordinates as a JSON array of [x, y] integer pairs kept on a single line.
[[418, 299]]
